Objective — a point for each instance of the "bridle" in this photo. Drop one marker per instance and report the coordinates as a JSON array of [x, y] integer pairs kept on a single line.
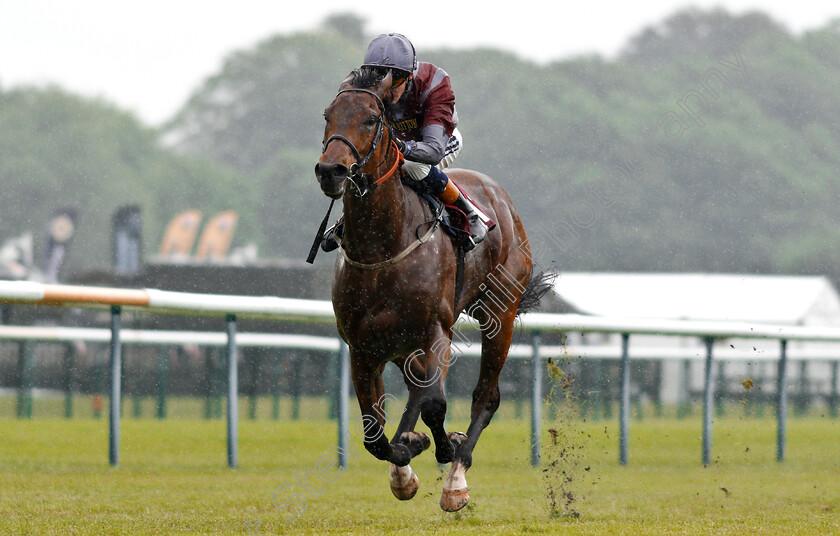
[[361, 181], [357, 177]]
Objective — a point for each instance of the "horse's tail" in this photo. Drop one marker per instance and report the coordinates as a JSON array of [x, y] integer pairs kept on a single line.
[[538, 285]]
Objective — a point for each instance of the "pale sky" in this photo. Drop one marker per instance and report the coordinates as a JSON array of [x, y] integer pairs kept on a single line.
[[149, 56]]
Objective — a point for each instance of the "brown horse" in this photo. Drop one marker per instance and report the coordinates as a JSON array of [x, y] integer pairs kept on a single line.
[[394, 287]]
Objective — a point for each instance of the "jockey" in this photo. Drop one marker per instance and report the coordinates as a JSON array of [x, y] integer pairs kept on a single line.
[[420, 108]]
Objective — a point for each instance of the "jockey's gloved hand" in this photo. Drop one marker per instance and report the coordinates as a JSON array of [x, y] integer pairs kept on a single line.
[[405, 147]]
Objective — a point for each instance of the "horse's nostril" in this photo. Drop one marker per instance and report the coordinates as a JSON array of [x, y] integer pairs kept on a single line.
[[339, 171], [331, 171]]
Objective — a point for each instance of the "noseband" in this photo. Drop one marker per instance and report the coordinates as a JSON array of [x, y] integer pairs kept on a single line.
[[357, 178]]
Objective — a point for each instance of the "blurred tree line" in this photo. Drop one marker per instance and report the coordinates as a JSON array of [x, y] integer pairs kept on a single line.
[[709, 144], [57, 149]]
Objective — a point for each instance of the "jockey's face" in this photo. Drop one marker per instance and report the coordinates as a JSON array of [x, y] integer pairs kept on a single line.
[[397, 91]]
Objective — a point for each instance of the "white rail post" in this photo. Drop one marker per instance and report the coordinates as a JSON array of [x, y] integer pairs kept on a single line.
[[833, 397], [624, 410], [343, 402], [116, 388], [233, 393], [26, 354], [163, 381], [536, 398], [708, 402], [781, 402]]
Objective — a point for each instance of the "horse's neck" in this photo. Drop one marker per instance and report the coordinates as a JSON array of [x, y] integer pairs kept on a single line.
[[381, 223]]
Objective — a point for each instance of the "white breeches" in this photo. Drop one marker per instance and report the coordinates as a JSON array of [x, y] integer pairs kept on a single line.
[[417, 171]]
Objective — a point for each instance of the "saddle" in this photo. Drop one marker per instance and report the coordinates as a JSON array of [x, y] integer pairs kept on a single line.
[[450, 218]]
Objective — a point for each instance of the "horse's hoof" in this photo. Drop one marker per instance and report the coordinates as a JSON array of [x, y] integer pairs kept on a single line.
[[404, 482], [407, 438], [454, 501], [455, 492], [457, 438]]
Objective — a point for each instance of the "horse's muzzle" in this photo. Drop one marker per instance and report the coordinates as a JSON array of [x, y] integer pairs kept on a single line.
[[332, 178]]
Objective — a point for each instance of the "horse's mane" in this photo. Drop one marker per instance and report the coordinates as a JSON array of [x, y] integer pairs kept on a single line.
[[366, 77]]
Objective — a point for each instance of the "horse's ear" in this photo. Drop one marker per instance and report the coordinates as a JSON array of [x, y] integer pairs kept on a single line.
[[385, 84], [346, 83]]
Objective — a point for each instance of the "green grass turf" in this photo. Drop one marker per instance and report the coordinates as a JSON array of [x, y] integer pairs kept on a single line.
[[173, 479]]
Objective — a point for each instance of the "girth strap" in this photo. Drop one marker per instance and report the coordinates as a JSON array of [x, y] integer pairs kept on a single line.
[[459, 279]]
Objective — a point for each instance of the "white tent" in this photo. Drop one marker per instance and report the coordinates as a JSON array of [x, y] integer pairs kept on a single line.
[[766, 299]]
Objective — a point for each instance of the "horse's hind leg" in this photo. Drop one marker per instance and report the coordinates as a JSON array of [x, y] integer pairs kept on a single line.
[[497, 332], [416, 442], [429, 385]]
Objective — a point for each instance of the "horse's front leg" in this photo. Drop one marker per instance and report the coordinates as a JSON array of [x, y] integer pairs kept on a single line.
[[404, 482], [367, 380], [370, 391]]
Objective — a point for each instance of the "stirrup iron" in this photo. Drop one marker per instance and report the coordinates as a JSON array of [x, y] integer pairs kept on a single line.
[[332, 236]]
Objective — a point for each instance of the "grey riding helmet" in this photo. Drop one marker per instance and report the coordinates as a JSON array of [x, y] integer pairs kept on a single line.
[[391, 51]]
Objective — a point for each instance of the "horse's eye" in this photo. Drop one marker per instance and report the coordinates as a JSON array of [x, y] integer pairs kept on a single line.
[[371, 120]]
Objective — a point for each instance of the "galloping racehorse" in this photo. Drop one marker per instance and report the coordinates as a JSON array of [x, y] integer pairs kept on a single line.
[[395, 285]]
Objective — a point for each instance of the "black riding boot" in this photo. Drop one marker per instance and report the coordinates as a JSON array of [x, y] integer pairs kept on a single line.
[[436, 181], [478, 229]]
